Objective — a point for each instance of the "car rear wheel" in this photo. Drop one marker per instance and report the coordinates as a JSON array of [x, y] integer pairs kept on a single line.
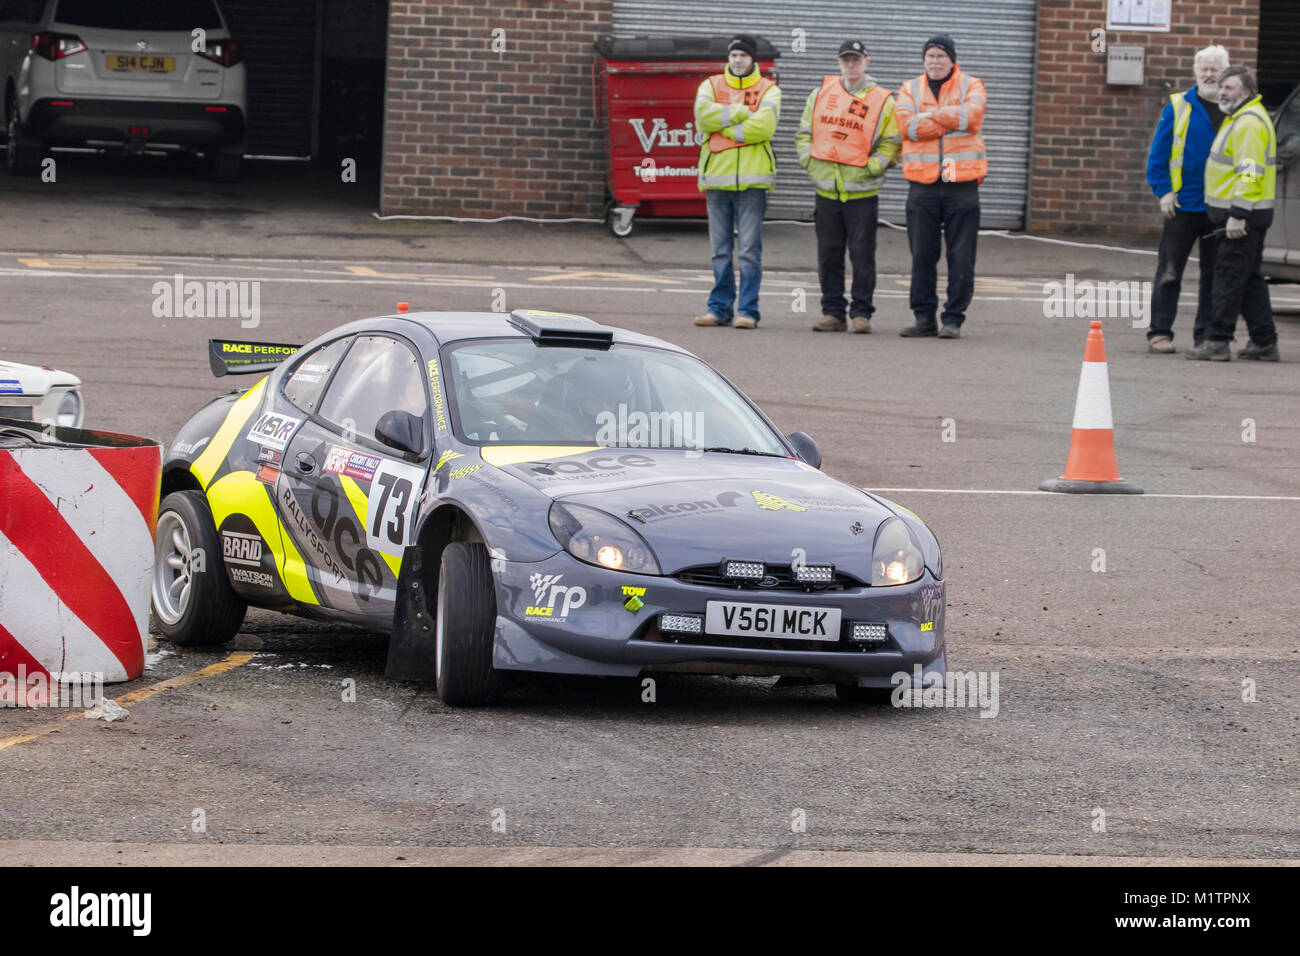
[[465, 627], [192, 600], [23, 153], [226, 163]]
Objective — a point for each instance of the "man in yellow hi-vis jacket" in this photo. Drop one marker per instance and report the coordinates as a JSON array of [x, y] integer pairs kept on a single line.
[[1240, 186], [738, 109]]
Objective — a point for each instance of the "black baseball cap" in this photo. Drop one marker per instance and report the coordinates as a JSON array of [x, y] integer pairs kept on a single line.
[[853, 46]]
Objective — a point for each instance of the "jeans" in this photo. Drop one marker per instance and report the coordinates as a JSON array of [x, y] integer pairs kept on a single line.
[[1239, 289], [849, 224], [1176, 241], [949, 212], [736, 211]]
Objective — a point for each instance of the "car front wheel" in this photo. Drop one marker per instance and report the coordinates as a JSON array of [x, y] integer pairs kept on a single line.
[[465, 627], [192, 600]]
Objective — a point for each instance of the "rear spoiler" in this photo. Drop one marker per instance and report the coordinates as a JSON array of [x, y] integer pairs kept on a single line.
[[230, 357]]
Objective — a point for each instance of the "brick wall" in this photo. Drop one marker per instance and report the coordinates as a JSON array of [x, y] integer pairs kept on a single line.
[[1090, 139], [471, 132]]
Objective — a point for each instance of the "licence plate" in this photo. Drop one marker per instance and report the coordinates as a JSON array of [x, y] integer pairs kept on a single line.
[[738, 619], [126, 62]]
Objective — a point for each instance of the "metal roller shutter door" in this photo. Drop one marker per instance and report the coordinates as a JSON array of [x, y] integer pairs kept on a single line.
[[279, 40], [994, 40]]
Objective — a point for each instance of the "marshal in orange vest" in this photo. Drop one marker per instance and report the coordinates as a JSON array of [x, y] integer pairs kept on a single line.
[[726, 94], [844, 125], [948, 143]]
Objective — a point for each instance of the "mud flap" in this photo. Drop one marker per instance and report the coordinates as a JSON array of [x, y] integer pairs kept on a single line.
[[412, 648]]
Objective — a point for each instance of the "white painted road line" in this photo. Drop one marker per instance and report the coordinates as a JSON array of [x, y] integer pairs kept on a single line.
[[1053, 494]]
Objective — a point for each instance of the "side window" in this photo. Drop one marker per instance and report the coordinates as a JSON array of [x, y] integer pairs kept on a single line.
[[379, 375], [1288, 131], [305, 383]]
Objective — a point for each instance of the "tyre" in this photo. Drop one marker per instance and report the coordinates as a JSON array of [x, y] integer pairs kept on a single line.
[[23, 153], [465, 627], [226, 163], [619, 221], [853, 694], [192, 600]]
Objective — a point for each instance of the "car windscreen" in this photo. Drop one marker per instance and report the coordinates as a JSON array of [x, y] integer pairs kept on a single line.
[[512, 391], [139, 14]]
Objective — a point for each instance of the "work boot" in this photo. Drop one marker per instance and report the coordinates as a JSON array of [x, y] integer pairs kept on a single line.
[[745, 322], [1267, 353], [950, 330], [862, 324], [919, 329], [1210, 351], [1160, 343], [829, 323], [708, 319]]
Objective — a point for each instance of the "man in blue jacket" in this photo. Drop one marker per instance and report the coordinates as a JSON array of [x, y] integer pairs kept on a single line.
[[1176, 174]]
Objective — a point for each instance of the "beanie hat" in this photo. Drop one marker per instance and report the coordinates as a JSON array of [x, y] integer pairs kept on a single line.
[[943, 42]]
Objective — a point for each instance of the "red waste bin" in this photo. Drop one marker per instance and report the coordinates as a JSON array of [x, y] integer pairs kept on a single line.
[[644, 91]]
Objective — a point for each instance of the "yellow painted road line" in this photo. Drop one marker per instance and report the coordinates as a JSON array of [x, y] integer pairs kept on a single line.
[[82, 263], [237, 659], [367, 271]]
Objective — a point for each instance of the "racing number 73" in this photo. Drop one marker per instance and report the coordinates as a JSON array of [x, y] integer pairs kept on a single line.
[[399, 491]]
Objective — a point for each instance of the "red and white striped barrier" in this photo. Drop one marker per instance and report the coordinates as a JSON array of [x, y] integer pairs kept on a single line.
[[76, 553]]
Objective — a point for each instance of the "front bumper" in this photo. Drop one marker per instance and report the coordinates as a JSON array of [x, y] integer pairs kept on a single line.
[[544, 624], [179, 123]]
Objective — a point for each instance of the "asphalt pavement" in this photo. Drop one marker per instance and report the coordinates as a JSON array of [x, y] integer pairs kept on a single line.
[[1124, 630]]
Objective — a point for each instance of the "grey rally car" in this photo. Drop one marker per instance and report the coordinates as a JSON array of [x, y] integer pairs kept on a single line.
[[535, 492]]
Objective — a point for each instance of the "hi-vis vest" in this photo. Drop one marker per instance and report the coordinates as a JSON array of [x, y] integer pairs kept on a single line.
[[844, 126], [1182, 119], [957, 156], [1239, 175], [726, 94]]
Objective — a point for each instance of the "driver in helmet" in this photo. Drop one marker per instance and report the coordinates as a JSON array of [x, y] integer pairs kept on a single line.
[[594, 388]]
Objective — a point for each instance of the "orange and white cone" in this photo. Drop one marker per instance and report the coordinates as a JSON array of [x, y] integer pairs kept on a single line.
[[1092, 467]]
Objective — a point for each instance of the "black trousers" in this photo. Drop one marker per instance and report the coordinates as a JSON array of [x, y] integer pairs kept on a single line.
[[1176, 241], [1239, 289], [948, 212], [847, 225]]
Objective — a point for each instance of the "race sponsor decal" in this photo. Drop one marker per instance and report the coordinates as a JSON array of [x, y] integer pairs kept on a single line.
[[459, 473], [354, 464], [267, 475], [445, 457], [256, 578], [10, 386], [439, 405], [269, 455], [240, 548], [189, 448], [317, 542], [649, 514], [770, 502], [273, 430], [392, 505], [547, 590]]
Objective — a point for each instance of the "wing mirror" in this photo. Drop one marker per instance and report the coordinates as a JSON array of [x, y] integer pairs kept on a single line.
[[806, 448], [401, 430]]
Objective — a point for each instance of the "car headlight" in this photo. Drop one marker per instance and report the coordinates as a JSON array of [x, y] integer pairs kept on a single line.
[[69, 413], [895, 559], [600, 539]]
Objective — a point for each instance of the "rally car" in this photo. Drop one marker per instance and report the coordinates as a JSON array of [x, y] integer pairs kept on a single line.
[[41, 394], [535, 492]]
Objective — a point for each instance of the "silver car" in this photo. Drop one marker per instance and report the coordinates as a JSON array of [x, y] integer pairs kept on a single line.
[[1282, 244], [132, 74]]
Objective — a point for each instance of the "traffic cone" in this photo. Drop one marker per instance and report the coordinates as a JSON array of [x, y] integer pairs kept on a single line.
[[1091, 467]]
